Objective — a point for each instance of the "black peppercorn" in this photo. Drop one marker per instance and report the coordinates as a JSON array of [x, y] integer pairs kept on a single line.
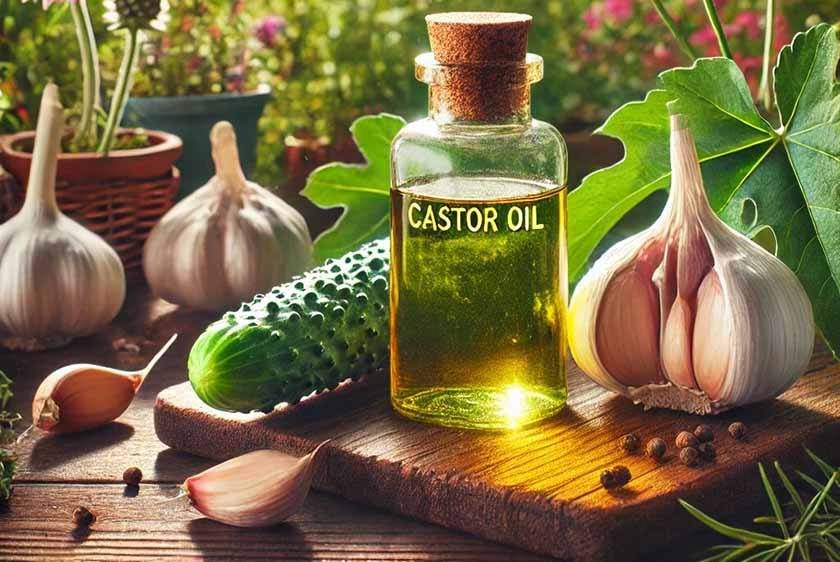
[[707, 451], [655, 448], [83, 517], [703, 433], [132, 476], [689, 456], [738, 430], [615, 477], [630, 442], [686, 439]]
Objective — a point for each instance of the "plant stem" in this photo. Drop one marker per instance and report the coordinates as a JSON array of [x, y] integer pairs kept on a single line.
[[86, 132], [711, 11], [669, 22], [765, 88], [121, 91]]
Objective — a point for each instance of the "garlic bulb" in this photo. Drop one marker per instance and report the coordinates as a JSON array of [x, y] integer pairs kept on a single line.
[[58, 279], [227, 241], [689, 314], [256, 489], [83, 396]]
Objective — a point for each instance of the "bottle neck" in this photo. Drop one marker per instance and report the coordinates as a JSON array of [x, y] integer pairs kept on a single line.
[[477, 103], [479, 93]]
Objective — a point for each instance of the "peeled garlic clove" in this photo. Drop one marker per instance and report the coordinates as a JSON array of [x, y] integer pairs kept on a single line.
[[257, 489], [677, 344], [83, 396], [58, 279], [712, 337], [629, 307], [733, 323], [227, 241]]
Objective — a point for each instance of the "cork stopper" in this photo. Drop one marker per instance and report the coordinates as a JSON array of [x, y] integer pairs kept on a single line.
[[479, 68], [478, 37]]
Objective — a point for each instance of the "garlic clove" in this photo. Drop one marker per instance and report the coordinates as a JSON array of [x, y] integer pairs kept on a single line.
[[677, 344], [735, 324], [629, 308], [257, 489], [83, 396], [712, 337]]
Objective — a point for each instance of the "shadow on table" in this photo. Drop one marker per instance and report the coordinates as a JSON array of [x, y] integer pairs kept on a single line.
[[52, 450], [178, 466], [218, 541]]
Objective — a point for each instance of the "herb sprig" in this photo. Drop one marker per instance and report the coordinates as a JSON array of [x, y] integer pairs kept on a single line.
[[8, 461], [808, 530]]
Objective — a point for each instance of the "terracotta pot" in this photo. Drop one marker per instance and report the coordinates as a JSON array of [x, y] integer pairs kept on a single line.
[[136, 163], [119, 197]]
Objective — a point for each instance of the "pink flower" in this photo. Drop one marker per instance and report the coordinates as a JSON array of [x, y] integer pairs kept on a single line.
[[660, 58], [781, 35], [619, 10], [592, 16], [268, 29], [707, 40], [751, 67], [749, 22]]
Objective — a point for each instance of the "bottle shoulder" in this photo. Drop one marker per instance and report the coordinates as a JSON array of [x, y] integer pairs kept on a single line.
[[534, 151], [428, 131]]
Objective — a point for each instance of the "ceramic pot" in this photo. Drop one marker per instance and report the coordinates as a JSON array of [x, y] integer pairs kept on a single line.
[[192, 117]]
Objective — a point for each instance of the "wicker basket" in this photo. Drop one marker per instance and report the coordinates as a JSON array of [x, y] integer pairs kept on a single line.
[[121, 212], [120, 197]]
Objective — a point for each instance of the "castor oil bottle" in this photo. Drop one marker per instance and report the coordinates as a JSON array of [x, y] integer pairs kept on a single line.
[[478, 235]]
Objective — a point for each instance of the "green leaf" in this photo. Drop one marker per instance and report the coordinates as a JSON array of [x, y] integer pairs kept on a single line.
[[826, 468], [815, 504], [791, 489], [729, 531], [787, 178], [362, 189], [5, 390], [774, 501]]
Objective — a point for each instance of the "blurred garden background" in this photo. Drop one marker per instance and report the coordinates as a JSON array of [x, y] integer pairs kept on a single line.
[[330, 61]]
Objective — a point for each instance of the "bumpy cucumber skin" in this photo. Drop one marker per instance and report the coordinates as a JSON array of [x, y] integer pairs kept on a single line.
[[309, 334]]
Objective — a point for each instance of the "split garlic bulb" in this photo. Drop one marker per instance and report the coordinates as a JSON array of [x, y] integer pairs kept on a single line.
[[689, 314], [227, 241], [58, 279]]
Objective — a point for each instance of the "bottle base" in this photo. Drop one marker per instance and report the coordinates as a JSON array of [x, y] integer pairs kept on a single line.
[[479, 408]]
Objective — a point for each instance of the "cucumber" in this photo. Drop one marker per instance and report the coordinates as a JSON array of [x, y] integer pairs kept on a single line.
[[304, 336]]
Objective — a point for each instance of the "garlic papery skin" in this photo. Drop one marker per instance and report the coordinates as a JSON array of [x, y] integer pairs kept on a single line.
[[226, 242], [83, 396], [257, 489], [690, 314], [58, 280]]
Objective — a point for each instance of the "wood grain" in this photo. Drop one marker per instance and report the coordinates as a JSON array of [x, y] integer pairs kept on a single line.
[[59, 472], [537, 488], [152, 526]]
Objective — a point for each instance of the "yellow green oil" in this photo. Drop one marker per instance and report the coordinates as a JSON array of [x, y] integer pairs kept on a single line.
[[478, 301]]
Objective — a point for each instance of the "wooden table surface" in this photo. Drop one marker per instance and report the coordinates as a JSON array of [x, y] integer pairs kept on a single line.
[[59, 473]]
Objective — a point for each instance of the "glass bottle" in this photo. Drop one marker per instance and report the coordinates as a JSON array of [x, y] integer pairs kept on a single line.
[[478, 236]]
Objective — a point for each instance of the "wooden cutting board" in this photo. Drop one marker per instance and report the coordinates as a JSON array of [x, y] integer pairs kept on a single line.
[[537, 488]]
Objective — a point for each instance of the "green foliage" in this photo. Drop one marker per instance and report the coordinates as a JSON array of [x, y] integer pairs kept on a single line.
[[807, 530], [363, 190], [786, 175], [336, 60], [36, 46], [305, 336], [7, 436]]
